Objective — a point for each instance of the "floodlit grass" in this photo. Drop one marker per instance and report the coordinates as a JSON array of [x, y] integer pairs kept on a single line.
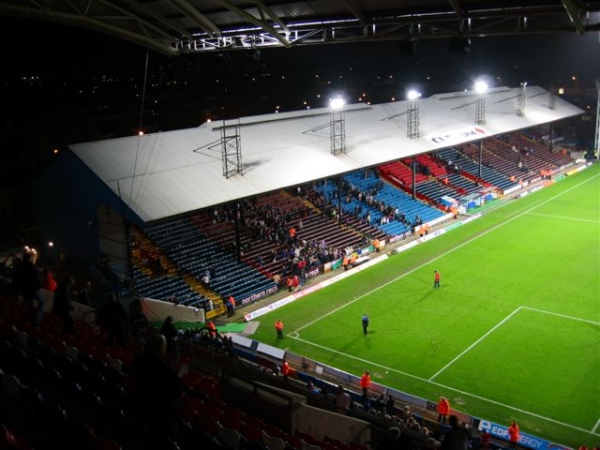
[[513, 333]]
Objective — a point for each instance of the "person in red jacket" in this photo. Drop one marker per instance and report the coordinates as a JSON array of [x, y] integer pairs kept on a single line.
[[49, 282], [443, 409], [485, 440], [513, 434]]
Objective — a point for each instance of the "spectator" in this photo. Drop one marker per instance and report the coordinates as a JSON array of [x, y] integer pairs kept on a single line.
[[394, 439], [343, 401], [158, 388], [485, 440], [138, 322], [27, 283], [63, 305], [458, 437], [171, 334], [389, 405], [85, 294], [113, 319], [431, 444], [48, 282]]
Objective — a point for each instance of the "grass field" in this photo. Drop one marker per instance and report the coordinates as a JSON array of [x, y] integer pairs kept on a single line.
[[513, 333]]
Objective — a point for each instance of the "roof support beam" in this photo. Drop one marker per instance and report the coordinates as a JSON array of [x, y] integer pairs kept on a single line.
[[456, 7], [353, 7], [253, 20], [197, 17], [574, 13], [264, 8]]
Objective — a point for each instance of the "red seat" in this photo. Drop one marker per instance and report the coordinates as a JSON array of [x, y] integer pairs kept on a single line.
[[10, 440]]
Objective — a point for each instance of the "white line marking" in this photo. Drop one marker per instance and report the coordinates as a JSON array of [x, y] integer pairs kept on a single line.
[[564, 218], [594, 430], [475, 343], [593, 322]]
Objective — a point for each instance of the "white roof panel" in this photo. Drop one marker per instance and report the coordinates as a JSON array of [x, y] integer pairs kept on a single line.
[[164, 174]]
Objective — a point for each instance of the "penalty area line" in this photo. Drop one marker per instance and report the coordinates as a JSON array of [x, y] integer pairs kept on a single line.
[[490, 331]]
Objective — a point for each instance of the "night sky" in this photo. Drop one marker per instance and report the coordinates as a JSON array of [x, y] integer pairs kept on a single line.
[[40, 47], [62, 85]]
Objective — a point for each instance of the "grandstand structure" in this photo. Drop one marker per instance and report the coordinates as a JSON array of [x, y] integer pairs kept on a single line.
[[157, 212]]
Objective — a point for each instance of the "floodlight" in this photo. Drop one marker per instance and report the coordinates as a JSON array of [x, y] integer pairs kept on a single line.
[[413, 95], [337, 103], [481, 87]]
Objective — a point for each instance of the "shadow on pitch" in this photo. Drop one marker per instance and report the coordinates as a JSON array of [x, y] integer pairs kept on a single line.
[[427, 294]]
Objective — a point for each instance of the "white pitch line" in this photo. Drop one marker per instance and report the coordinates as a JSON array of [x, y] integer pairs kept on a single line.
[[594, 430], [593, 322], [442, 255], [552, 216], [475, 343]]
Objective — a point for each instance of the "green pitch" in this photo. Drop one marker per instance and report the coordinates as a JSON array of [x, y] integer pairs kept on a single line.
[[513, 333]]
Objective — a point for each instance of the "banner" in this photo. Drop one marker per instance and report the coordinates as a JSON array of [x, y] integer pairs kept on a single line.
[[525, 440]]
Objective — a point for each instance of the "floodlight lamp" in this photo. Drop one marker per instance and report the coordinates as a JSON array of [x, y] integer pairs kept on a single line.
[[337, 103], [481, 87], [524, 84], [413, 95]]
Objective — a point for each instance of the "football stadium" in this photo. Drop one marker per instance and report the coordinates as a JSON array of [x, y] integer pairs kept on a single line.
[[507, 217], [411, 273]]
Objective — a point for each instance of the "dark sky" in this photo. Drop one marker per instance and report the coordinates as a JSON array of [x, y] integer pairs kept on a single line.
[[39, 46]]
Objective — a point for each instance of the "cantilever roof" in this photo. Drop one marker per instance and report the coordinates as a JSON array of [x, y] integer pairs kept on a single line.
[[165, 174]]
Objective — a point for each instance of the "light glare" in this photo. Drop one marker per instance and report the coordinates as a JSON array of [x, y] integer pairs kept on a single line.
[[337, 103]]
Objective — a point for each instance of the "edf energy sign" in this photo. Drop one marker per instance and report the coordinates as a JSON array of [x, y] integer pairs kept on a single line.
[[525, 440]]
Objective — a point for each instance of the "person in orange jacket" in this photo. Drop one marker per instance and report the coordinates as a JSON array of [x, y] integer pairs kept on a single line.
[[365, 383], [443, 408], [285, 369], [279, 329], [213, 329], [513, 434]]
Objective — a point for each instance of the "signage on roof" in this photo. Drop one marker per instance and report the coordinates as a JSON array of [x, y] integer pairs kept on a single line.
[[458, 137]]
